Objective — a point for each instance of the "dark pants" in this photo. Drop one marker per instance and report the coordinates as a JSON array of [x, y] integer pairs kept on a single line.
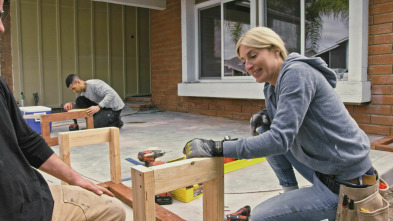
[[106, 117]]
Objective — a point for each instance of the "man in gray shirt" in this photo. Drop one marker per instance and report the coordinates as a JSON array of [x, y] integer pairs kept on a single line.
[[99, 99]]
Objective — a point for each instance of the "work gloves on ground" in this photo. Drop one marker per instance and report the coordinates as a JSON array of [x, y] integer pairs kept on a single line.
[[203, 148], [261, 119]]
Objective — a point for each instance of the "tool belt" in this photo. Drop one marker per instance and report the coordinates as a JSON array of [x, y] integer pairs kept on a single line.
[[358, 199], [333, 184]]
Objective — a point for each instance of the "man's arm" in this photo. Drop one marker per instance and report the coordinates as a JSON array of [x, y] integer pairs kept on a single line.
[[57, 168]]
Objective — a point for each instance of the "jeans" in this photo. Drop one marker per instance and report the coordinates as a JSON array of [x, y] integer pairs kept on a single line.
[[106, 117], [310, 203]]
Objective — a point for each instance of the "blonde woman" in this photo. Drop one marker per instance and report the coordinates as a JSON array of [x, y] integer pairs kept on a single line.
[[310, 130]]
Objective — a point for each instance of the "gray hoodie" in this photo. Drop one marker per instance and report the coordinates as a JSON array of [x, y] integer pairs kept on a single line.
[[310, 120]]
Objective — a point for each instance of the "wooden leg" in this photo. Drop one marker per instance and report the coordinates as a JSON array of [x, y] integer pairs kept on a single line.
[[143, 194], [114, 155], [213, 194]]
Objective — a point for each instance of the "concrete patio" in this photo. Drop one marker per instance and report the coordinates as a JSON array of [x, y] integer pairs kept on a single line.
[[169, 131]]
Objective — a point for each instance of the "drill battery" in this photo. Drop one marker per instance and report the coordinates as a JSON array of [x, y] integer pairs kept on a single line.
[[164, 198]]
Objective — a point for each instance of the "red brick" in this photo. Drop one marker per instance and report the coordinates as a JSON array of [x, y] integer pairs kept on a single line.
[[241, 102], [383, 59], [380, 29], [224, 101], [216, 107], [381, 120], [382, 8], [235, 108], [382, 39], [379, 1], [350, 108], [380, 49], [361, 118], [384, 18], [382, 99], [373, 109], [370, 21], [380, 69], [375, 129], [382, 79], [381, 89], [250, 109]]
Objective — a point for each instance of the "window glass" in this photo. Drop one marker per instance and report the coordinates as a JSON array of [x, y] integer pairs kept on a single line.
[[326, 34], [210, 42], [236, 23], [283, 16]]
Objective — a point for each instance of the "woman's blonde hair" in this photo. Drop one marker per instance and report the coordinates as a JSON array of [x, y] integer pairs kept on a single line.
[[262, 37]]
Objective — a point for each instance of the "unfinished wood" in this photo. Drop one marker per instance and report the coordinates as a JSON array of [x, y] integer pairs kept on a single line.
[[124, 194], [382, 144], [32, 116], [185, 172], [143, 193], [147, 182], [68, 140], [114, 156], [46, 119], [213, 194]]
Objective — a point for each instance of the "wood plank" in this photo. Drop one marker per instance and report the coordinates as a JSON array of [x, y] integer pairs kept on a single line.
[[48, 118], [124, 194], [383, 141], [213, 194], [114, 155], [384, 148], [185, 172], [143, 193], [89, 136]]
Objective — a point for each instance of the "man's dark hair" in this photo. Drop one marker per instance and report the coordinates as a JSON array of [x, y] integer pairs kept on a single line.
[[70, 79]]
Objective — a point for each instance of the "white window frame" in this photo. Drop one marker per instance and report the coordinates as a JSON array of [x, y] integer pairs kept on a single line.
[[356, 90]]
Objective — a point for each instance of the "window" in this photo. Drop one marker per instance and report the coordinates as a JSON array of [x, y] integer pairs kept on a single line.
[[336, 31], [218, 37]]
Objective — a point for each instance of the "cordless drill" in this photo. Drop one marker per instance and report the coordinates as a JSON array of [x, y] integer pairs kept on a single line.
[[241, 215], [149, 156]]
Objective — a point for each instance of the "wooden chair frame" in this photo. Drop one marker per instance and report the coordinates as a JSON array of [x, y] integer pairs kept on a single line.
[[89, 137], [48, 118], [147, 182], [111, 135]]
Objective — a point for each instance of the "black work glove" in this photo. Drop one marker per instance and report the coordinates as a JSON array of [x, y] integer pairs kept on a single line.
[[258, 120], [203, 148]]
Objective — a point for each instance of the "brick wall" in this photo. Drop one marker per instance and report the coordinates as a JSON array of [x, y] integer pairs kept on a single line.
[[374, 118]]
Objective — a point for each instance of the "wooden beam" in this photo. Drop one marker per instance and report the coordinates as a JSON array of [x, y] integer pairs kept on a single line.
[[382, 144], [213, 197], [143, 193], [185, 172], [124, 194], [152, 4]]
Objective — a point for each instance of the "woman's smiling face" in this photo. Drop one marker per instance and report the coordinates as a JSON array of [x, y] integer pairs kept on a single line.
[[263, 64]]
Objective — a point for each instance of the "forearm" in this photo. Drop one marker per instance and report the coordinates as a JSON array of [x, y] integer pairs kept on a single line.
[[57, 168]]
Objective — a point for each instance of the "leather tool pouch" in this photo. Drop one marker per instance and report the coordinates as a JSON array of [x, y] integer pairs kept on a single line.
[[362, 204]]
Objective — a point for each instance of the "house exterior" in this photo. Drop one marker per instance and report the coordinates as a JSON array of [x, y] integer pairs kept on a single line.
[[173, 89], [182, 52]]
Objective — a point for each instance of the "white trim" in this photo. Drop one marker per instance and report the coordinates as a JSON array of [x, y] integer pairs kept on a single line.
[[153, 4], [227, 90], [350, 92], [356, 90]]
